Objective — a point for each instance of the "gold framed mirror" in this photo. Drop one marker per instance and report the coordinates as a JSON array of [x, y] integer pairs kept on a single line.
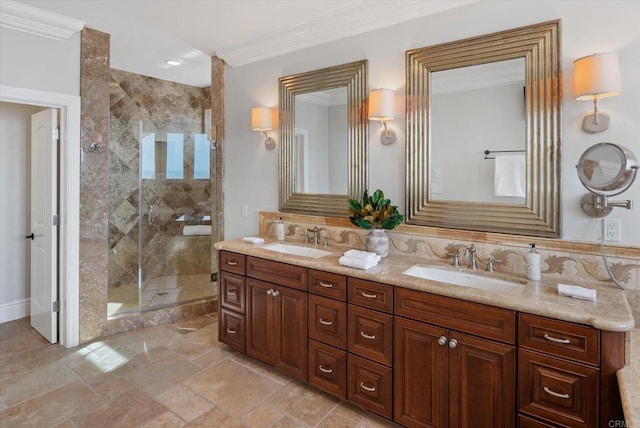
[[536, 209], [321, 167]]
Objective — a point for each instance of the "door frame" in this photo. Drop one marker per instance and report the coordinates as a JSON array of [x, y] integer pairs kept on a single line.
[[69, 202]]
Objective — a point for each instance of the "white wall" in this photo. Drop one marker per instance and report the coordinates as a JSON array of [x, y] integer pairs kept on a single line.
[[15, 131], [586, 27], [35, 62]]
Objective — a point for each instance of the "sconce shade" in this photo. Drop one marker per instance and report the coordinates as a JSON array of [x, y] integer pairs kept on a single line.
[[261, 119], [382, 104], [597, 74]]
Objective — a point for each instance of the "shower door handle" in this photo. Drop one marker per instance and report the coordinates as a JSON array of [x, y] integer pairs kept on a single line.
[[32, 236]]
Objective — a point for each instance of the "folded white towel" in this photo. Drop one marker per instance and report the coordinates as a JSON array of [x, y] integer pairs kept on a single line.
[[196, 230], [362, 255], [253, 239], [510, 176], [577, 292], [357, 263]]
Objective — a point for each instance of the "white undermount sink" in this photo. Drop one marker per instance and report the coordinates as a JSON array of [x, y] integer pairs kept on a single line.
[[297, 250], [463, 279]]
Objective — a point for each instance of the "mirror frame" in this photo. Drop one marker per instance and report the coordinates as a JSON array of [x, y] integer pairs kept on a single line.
[[541, 213], [353, 76]]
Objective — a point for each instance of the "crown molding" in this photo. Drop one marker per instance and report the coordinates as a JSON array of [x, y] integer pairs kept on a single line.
[[33, 20], [345, 22]]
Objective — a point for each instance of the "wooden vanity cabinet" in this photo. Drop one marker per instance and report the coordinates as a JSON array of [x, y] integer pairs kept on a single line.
[[447, 378]]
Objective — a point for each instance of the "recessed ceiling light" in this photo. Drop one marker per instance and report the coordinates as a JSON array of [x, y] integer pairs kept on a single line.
[[172, 62]]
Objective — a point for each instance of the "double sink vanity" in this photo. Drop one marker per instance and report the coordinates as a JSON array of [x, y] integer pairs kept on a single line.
[[425, 344]]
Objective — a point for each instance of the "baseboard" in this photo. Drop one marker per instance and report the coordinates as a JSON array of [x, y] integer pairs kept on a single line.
[[15, 310]]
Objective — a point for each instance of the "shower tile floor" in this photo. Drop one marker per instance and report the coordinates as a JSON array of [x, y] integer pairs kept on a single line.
[[159, 292], [174, 375]]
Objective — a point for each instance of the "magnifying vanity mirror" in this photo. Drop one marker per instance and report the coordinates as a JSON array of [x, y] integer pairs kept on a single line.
[[498, 93], [323, 133], [606, 169]]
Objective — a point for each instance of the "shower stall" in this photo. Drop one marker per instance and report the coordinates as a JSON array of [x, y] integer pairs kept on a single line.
[[160, 194]]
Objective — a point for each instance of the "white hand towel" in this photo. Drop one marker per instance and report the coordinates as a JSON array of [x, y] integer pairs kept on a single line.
[[577, 292], [253, 239], [362, 255], [357, 263], [196, 230], [510, 176]]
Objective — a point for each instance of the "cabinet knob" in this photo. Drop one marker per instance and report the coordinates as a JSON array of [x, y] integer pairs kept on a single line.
[[323, 370], [270, 292], [453, 343], [442, 341], [275, 293], [367, 388]]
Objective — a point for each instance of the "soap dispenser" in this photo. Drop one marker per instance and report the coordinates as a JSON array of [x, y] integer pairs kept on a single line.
[[533, 264], [280, 230]]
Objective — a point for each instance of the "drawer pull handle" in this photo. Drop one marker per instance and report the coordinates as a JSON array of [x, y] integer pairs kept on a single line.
[[232, 262], [326, 285], [367, 336], [367, 388], [231, 330], [323, 370], [369, 295], [556, 340], [325, 322], [232, 293], [555, 394]]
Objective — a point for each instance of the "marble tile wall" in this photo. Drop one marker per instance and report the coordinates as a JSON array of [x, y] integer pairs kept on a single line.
[[144, 104], [562, 261], [218, 67]]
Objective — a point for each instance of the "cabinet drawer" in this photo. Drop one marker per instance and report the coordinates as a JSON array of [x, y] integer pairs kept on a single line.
[[526, 422], [232, 262], [370, 294], [328, 321], [232, 292], [565, 339], [371, 334], [557, 390], [231, 329], [370, 385], [328, 284], [467, 317], [328, 368], [278, 273]]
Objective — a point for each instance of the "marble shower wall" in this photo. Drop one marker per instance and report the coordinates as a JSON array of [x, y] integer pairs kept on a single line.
[[148, 105]]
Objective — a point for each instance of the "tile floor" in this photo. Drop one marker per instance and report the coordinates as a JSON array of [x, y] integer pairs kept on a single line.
[[163, 376]]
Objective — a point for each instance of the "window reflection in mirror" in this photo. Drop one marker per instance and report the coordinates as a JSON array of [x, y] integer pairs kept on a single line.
[[320, 142], [473, 109]]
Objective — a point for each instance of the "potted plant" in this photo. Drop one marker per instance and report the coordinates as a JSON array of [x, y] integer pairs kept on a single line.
[[376, 214]]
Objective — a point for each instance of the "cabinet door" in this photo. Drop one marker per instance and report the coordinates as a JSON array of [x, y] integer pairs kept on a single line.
[[259, 323], [290, 326], [420, 374], [482, 382]]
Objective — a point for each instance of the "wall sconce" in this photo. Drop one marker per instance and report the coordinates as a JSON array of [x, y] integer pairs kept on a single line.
[[596, 76], [261, 121], [382, 107]]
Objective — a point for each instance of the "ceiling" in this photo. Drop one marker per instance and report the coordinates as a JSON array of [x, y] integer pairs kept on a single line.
[[145, 33]]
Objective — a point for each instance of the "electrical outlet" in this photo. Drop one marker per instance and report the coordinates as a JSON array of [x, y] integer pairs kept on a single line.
[[244, 210], [612, 230]]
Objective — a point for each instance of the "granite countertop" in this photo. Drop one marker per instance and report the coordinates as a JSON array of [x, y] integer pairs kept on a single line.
[[629, 383], [610, 311]]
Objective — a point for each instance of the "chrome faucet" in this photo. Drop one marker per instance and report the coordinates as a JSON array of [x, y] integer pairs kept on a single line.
[[315, 232], [471, 253]]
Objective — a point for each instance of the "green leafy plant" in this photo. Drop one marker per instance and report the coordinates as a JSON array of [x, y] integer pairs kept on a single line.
[[374, 212]]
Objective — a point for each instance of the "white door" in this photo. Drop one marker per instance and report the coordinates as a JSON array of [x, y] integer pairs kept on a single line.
[[44, 234]]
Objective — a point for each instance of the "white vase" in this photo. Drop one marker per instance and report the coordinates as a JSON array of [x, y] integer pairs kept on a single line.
[[378, 242]]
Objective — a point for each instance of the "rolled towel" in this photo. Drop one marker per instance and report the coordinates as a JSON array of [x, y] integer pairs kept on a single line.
[[196, 230], [362, 255], [577, 292], [357, 263], [253, 239]]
